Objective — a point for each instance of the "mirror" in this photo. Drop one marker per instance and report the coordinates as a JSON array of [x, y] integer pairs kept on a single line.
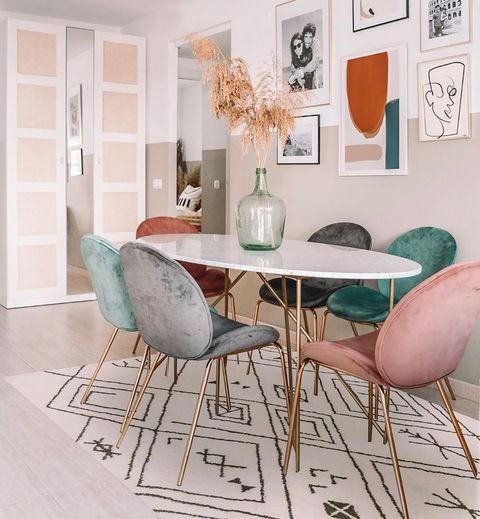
[[79, 153], [202, 147]]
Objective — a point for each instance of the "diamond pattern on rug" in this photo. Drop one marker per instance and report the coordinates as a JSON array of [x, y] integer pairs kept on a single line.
[[235, 471]]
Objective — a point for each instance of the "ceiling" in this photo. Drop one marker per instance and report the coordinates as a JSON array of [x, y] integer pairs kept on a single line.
[[116, 13], [222, 39]]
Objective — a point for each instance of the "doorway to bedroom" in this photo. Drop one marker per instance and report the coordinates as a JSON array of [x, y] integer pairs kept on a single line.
[[202, 146]]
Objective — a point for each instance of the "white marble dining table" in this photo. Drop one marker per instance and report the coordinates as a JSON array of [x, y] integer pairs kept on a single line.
[[294, 259]]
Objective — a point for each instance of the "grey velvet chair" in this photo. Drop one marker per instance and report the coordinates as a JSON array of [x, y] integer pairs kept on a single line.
[[102, 260], [174, 319]]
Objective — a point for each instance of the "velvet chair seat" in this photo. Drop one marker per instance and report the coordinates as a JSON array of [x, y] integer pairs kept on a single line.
[[359, 304], [314, 292], [355, 355]]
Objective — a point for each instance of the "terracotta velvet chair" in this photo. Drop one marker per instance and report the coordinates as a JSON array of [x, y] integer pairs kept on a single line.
[[211, 281], [421, 342], [102, 260], [174, 320]]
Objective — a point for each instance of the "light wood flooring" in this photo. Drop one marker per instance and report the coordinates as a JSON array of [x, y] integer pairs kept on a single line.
[[43, 473]]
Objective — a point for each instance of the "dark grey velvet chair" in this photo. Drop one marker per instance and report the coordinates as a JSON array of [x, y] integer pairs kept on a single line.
[[315, 291], [174, 319]]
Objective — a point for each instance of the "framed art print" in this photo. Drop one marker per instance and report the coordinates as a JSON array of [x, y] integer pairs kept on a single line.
[[74, 116], [75, 162], [371, 13], [303, 143], [303, 48], [444, 22], [373, 122], [443, 99]]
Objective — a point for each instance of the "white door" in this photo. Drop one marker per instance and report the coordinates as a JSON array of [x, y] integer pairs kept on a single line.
[[119, 169], [36, 221]]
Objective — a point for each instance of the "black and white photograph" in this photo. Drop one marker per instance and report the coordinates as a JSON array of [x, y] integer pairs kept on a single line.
[[372, 13], [444, 22], [303, 143], [74, 116], [443, 99], [303, 48]]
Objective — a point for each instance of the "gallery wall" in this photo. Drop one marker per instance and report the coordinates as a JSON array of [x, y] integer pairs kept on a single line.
[[441, 189]]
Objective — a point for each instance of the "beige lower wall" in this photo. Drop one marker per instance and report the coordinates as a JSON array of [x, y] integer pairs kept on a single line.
[[442, 189]]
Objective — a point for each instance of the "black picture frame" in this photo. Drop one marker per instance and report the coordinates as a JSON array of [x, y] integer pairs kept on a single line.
[[407, 15], [314, 157]]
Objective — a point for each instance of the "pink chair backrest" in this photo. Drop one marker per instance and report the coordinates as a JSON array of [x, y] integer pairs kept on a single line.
[[171, 225], [425, 336]]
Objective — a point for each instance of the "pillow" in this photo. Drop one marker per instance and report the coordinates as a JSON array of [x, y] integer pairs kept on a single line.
[[190, 198]]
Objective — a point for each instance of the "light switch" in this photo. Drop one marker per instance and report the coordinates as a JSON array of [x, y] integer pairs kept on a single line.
[[157, 183], [216, 184]]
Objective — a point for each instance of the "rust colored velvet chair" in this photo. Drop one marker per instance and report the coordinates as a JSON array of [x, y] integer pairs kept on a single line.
[[421, 342], [211, 281]]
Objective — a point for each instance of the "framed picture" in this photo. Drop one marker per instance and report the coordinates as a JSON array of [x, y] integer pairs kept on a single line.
[[303, 143], [74, 116], [303, 48], [75, 162], [444, 22], [373, 123], [371, 13], [443, 99]]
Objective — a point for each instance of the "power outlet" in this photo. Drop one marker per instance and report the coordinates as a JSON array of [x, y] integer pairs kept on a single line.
[[157, 183]]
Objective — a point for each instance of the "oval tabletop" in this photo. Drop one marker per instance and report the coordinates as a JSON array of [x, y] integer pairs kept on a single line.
[[293, 258]]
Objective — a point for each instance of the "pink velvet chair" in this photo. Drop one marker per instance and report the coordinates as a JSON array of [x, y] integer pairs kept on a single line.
[[421, 342]]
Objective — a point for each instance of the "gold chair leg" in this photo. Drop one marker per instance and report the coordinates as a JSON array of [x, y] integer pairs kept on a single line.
[[250, 361], [175, 370], [323, 325], [354, 328], [223, 361], [294, 430], [315, 324], [376, 402], [135, 387], [305, 320], [99, 365], [194, 423], [217, 387], [457, 428], [156, 363], [370, 410], [450, 388], [284, 375], [234, 309], [257, 311], [387, 399], [167, 365], [393, 453], [136, 344]]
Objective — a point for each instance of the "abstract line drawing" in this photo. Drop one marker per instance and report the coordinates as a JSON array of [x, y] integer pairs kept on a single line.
[[443, 99], [371, 13]]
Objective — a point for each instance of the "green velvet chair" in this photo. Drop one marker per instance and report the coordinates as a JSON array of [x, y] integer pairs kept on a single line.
[[102, 260], [432, 247]]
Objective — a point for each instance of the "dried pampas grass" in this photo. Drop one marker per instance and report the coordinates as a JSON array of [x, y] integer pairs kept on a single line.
[[260, 109]]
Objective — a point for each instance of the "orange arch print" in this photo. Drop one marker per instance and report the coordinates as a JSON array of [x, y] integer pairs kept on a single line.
[[367, 86]]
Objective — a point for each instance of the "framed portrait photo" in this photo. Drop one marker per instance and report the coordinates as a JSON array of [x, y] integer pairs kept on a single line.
[[303, 48], [303, 143], [74, 116], [373, 121], [444, 22], [371, 13], [443, 99]]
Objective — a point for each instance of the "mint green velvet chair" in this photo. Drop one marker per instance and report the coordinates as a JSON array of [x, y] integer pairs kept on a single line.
[[103, 264], [434, 248]]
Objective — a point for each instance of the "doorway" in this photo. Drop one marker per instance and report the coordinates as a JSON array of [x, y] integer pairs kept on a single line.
[[202, 145]]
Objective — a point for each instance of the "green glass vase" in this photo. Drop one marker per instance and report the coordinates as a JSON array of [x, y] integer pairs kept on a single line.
[[260, 217]]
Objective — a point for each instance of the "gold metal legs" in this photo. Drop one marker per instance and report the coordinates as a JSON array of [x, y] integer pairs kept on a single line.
[[234, 308], [223, 361], [157, 360], [393, 452], [323, 325], [194, 421], [458, 430], [370, 411], [450, 388], [136, 344], [354, 328], [294, 431], [100, 364]]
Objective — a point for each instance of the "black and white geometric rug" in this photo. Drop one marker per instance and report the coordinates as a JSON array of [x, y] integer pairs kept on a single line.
[[234, 470]]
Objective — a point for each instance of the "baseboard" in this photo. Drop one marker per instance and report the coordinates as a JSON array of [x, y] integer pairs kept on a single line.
[[462, 389]]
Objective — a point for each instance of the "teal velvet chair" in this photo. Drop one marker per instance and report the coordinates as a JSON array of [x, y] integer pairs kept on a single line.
[[432, 247], [102, 260]]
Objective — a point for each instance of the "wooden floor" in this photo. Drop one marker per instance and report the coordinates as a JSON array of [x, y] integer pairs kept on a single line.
[[43, 473]]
